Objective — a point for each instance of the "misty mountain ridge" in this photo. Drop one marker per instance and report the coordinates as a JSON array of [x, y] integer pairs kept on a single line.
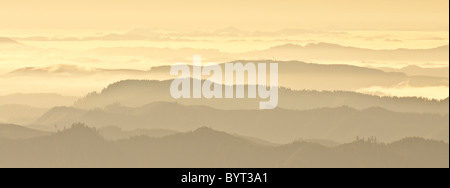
[[134, 93], [322, 45], [17, 132], [70, 70], [11, 45], [146, 34], [116, 133], [20, 114], [414, 70], [37, 100], [342, 124], [335, 52], [312, 52], [82, 146], [8, 131], [286, 67], [4, 40], [292, 74]]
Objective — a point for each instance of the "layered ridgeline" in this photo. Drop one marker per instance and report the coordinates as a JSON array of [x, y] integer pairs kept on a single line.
[[292, 74], [341, 124], [7, 41], [135, 93], [414, 70], [17, 132], [148, 104], [81, 146], [300, 75], [38, 100], [313, 52], [334, 52], [26, 108]]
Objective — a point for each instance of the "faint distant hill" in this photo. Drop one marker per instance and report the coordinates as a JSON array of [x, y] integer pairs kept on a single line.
[[7, 44], [84, 147], [300, 75], [135, 93], [8, 131], [323, 142], [292, 74], [4, 41], [116, 133], [279, 126], [39, 100], [164, 54], [20, 114], [335, 52], [70, 70], [414, 70], [313, 52]]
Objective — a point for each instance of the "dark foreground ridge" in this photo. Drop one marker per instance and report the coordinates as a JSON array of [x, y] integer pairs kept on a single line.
[[81, 146]]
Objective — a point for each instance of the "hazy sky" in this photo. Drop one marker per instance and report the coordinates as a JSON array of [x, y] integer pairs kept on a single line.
[[213, 14]]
